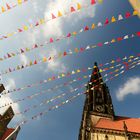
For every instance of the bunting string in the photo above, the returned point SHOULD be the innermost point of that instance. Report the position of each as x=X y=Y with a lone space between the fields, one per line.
x=67 y=36
x=131 y=66
x=72 y=9
x=9 y=6
x=76 y=71
x=61 y=85
x=70 y=99
x=65 y=53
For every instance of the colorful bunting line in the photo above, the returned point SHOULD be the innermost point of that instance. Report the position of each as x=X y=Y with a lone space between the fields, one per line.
x=9 y=6
x=67 y=36
x=65 y=53
x=69 y=99
x=72 y=9
x=132 y=66
x=62 y=75
x=59 y=86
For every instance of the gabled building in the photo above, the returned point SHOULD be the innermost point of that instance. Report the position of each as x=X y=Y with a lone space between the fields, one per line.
x=5 y=132
x=99 y=121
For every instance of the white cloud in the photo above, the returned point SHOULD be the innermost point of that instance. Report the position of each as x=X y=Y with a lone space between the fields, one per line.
x=24 y=60
x=132 y=86
x=55 y=27
x=54 y=65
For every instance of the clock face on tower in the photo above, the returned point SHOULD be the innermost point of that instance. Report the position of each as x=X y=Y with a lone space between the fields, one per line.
x=100 y=109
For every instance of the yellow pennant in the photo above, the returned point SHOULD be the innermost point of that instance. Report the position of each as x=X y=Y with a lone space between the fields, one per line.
x=93 y=26
x=19 y=1
x=100 y=1
x=42 y=21
x=3 y=9
x=78 y=6
x=135 y=12
x=25 y=28
x=113 y=40
x=113 y=19
x=27 y=49
x=44 y=59
x=78 y=71
x=59 y=14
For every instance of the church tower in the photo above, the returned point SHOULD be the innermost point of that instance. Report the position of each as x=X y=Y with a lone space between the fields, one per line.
x=98 y=120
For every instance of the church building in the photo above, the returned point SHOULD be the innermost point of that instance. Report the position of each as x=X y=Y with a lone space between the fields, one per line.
x=99 y=121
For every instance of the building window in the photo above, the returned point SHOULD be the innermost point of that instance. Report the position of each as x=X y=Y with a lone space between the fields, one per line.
x=106 y=137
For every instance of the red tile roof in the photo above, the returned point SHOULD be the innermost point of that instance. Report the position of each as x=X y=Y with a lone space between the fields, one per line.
x=133 y=124
x=7 y=133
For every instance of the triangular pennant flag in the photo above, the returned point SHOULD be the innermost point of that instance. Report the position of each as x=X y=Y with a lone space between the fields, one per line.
x=82 y=49
x=25 y=28
x=106 y=43
x=53 y=16
x=74 y=33
x=73 y=72
x=93 y=26
x=65 y=53
x=100 y=1
x=50 y=58
x=3 y=9
x=76 y=50
x=81 y=30
x=119 y=39
x=88 y=47
x=42 y=21
x=138 y=33
x=99 y=24
x=113 y=19
x=35 y=62
x=113 y=40
x=19 y=30
x=22 y=51
x=19 y=1
x=78 y=6
x=8 y=55
x=18 y=67
x=93 y=2
x=22 y=66
x=70 y=51
x=10 y=70
x=135 y=12
x=107 y=21
x=44 y=59
x=37 y=23
x=120 y=17
x=126 y=37
x=127 y=15
x=132 y=35
x=100 y=44
x=35 y=46
x=31 y=63
x=27 y=49
x=69 y=35
x=8 y=7
x=72 y=9
x=86 y=28
x=51 y=40
x=59 y=14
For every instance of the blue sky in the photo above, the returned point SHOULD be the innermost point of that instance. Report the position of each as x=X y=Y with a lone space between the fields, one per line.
x=64 y=122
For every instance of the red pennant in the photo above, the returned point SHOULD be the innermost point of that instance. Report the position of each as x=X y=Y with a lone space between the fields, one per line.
x=82 y=49
x=35 y=62
x=127 y=15
x=118 y=60
x=19 y=30
x=107 y=21
x=86 y=28
x=65 y=53
x=53 y=16
x=8 y=7
x=100 y=44
x=72 y=9
x=50 y=58
x=37 y=24
x=8 y=55
x=53 y=78
x=35 y=46
x=100 y=65
x=93 y=2
x=68 y=74
x=51 y=40
x=69 y=35
x=138 y=33
x=119 y=38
